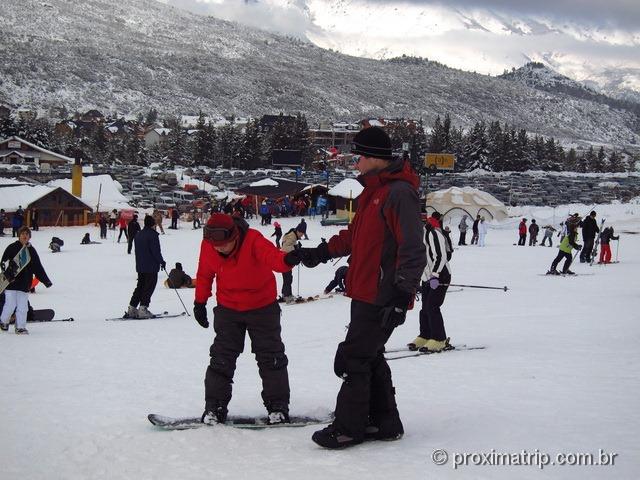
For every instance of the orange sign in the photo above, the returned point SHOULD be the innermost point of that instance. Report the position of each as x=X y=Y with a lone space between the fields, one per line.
x=440 y=161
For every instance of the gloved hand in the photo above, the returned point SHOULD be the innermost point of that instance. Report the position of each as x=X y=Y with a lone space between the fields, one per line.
x=434 y=282
x=48 y=284
x=200 y=314
x=293 y=258
x=395 y=314
x=311 y=257
x=163 y=265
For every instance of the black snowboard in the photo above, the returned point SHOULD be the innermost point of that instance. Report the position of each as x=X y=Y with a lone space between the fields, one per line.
x=187 y=423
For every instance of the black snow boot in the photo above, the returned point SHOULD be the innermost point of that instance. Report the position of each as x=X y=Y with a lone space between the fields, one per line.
x=331 y=438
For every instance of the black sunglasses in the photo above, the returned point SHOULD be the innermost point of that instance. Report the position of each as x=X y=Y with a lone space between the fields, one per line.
x=217 y=234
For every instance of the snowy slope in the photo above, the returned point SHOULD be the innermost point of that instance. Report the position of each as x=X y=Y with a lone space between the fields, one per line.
x=559 y=373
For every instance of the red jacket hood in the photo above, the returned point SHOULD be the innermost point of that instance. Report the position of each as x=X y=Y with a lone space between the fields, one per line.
x=398 y=170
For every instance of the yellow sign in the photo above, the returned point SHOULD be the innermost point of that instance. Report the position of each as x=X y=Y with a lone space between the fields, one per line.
x=440 y=161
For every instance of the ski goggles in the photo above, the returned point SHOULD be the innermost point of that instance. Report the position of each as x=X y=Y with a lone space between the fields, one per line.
x=219 y=235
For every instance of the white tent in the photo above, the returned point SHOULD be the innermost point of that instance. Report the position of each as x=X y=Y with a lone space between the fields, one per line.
x=347 y=188
x=455 y=202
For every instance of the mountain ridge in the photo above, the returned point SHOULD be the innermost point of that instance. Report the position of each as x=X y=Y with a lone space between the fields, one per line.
x=139 y=54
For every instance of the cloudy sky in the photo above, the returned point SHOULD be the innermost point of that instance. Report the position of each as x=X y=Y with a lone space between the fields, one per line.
x=590 y=40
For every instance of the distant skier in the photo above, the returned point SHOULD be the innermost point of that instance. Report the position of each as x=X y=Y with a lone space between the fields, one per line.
x=522 y=232
x=338 y=281
x=463 y=227
x=533 y=233
x=175 y=215
x=289 y=242
x=566 y=245
x=103 y=226
x=302 y=227
x=474 y=237
x=605 y=249
x=56 y=244
x=242 y=262
x=277 y=232
x=149 y=261
x=158 y=217
x=482 y=232
x=132 y=230
x=16 y=294
x=548 y=235
x=589 y=231
x=122 y=223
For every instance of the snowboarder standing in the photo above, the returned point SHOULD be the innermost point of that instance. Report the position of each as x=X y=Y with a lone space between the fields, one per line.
x=435 y=282
x=533 y=233
x=589 y=231
x=566 y=245
x=242 y=261
x=463 y=230
x=149 y=261
x=16 y=294
x=387 y=260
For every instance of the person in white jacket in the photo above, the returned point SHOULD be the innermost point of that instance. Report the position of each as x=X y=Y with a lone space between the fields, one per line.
x=435 y=282
x=482 y=231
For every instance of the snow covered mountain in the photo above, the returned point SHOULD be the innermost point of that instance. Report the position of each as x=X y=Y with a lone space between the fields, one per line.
x=136 y=54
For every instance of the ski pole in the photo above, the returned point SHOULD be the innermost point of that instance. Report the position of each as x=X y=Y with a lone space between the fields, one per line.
x=179 y=297
x=505 y=288
x=617 y=248
x=298 y=280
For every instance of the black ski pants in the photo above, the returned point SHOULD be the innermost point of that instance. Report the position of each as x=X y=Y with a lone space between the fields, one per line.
x=567 y=263
x=263 y=326
x=144 y=289
x=126 y=235
x=474 y=238
x=587 y=249
x=522 y=240
x=287 y=281
x=367 y=392
x=431 y=321
x=463 y=238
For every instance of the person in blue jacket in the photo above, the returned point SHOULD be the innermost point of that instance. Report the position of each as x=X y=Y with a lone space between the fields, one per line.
x=149 y=261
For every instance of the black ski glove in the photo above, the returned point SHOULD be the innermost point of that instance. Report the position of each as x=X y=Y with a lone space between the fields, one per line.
x=200 y=314
x=48 y=284
x=163 y=265
x=312 y=257
x=293 y=258
x=394 y=315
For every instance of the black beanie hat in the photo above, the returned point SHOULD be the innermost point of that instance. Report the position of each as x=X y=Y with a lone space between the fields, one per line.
x=372 y=142
x=149 y=221
x=178 y=266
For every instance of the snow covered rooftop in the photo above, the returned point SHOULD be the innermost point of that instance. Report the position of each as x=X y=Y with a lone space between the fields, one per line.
x=110 y=195
x=347 y=188
x=266 y=182
x=23 y=195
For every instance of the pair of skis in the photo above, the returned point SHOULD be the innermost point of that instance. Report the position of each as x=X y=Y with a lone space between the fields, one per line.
x=125 y=317
x=406 y=352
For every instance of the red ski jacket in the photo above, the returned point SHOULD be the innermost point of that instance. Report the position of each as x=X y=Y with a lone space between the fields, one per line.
x=522 y=228
x=384 y=239
x=244 y=280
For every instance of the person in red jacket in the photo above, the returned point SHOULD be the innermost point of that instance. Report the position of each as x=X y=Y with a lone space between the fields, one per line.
x=242 y=262
x=522 y=232
x=388 y=257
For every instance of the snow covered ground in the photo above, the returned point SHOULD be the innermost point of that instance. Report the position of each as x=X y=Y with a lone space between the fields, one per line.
x=559 y=374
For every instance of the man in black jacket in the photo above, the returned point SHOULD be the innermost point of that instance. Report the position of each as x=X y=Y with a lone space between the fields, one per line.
x=148 y=263
x=589 y=231
x=132 y=229
x=16 y=294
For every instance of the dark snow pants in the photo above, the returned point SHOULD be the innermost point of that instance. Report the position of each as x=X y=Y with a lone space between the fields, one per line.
x=431 y=321
x=287 y=281
x=587 y=249
x=263 y=326
x=523 y=239
x=144 y=289
x=567 y=263
x=367 y=393
x=463 y=238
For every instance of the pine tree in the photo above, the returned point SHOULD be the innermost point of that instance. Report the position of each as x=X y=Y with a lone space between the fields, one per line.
x=590 y=159
x=228 y=146
x=300 y=139
x=476 y=153
x=615 y=162
x=251 y=148
x=494 y=146
x=571 y=161
x=599 y=161
x=436 y=139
